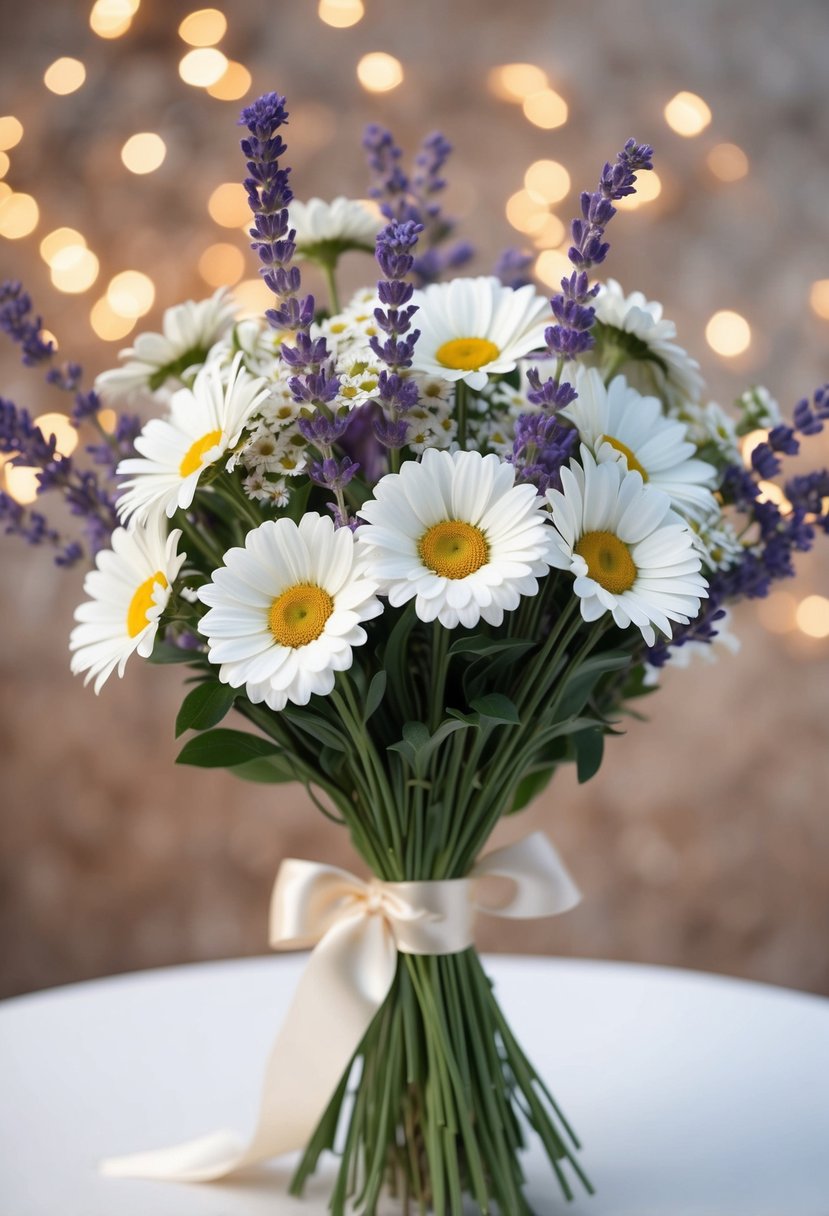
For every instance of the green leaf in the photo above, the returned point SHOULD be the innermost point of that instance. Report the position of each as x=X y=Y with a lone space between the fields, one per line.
x=395 y=656
x=530 y=787
x=317 y=727
x=204 y=706
x=225 y=749
x=299 y=500
x=580 y=685
x=417 y=746
x=270 y=770
x=376 y=692
x=480 y=645
x=497 y=708
x=331 y=761
x=589 y=749
x=495 y=671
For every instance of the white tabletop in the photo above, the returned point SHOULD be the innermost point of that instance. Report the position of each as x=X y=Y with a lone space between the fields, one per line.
x=693 y=1095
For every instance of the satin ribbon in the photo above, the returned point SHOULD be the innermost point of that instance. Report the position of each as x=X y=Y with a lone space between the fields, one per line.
x=357 y=929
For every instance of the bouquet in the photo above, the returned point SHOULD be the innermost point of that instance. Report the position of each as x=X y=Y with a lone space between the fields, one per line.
x=427 y=546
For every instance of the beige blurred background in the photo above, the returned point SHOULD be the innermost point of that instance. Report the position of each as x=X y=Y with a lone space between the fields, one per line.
x=704 y=840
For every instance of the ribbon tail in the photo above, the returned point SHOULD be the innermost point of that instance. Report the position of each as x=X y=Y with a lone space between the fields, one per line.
x=348 y=976
x=542 y=883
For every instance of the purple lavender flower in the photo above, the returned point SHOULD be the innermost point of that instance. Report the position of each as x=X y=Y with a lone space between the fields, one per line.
x=25 y=443
x=809 y=419
x=781 y=532
x=323 y=430
x=513 y=268
x=390 y=186
x=413 y=200
x=807 y=493
x=18 y=320
x=268 y=197
x=543 y=445
x=397 y=395
x=361 y=444
x=68 y=378
x=315 y=383
x=617 y=181
x=333 y=473
x=572 y=308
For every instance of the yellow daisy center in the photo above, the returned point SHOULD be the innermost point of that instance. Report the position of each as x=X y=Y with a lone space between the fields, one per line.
x=298 y=615
x=453 y=549
x=193 y=456
x=608 y=561
x=632 y=462
x=467 y=354
x=142 y=602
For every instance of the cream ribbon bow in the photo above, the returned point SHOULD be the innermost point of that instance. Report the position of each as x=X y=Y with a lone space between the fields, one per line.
x=357 y=929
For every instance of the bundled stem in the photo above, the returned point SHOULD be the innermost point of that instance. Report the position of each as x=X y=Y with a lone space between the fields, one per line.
x=439 y=1097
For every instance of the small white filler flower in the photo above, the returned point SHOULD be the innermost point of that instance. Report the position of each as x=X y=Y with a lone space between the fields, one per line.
x=204 y=423
x=630 y=554
x=162 y=360
x=128 y=591
x=471 y=329
x=285 y=610
x=454 y=533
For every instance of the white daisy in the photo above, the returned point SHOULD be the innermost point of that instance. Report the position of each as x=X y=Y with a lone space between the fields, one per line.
x=331 y=228
x=454 y=533
x=205 y=422
x=642 y=339
x=616 y=423
x=285 y=610
x=168 y=358
x=473 y=328
x=622 y=541
x=128 y=591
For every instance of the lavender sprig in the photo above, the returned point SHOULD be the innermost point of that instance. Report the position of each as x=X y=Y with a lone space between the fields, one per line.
x=269 y=194
x=543 y=445
x=513 y=268
x=572 y=308
x=314 y=383
x=412 y=200
x=26 y=445
x=23 y=326
x=397 y=394
x=780 y=532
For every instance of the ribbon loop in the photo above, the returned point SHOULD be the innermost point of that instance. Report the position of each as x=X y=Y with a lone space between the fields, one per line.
x=357 y=929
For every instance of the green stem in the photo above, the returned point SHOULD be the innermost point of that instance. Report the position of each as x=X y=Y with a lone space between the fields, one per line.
x=382 y=802
x=329 y=273
x=440 y=668
x=200 y=540
x=233 y=494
